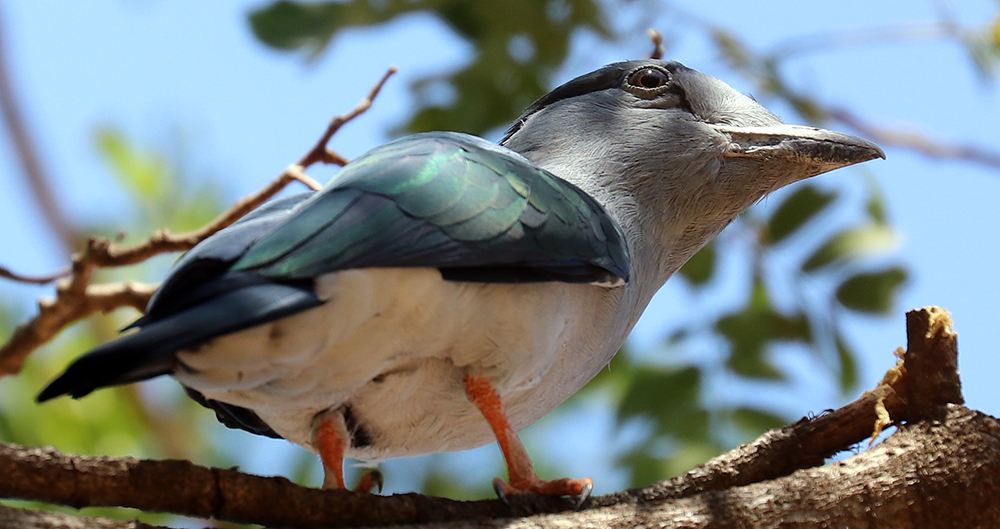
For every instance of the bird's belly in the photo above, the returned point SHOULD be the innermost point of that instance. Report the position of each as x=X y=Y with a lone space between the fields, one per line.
x=391 y=348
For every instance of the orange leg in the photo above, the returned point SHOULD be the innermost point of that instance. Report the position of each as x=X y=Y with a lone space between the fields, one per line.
x=519 y=468
x=330 y=439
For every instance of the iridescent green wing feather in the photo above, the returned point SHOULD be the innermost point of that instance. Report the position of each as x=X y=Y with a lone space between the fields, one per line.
x=476 y=211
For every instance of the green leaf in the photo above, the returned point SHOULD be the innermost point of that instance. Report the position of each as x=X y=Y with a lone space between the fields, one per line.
x=670 y=398
x=995 y=33
x=312 y=25
x=871 y=292
x=851 y=244
x=437 y=482
x=643 y=467
x=518 y=45
x=144 y=174
x=876 y=203
x=748 y=360
x=796 y=210
x=753 y=421
x=984 y=49
x=700 y=267
x=690 y=455
x=646 y=463
x=614 y=379
x=848 y=366
x=652 y=389
x=752 y=329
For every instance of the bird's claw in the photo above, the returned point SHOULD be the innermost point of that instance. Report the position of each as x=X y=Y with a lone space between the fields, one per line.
x=578 y=489
x=500 y=488
x=584 y=494
x=369 y=480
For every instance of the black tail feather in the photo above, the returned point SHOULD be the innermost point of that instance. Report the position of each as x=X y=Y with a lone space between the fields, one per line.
x=150 y=352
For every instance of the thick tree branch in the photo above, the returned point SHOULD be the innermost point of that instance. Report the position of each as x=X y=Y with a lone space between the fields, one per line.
x=76 y=298
x=920 y=393
x=11 y=518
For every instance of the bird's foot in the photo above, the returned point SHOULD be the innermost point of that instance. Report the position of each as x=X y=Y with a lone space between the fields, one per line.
x=369 y=480
x=330 y=438
x=578 y=489
x=522 y=474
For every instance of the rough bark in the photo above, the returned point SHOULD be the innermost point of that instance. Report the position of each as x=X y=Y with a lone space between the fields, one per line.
x=939 y=469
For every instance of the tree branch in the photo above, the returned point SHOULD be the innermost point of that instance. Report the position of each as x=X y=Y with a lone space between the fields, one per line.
x=657 y=40
x=76 y=298
x=916 y=142
x=7 y=273
x=11 y=518
x=913 y=468
x=27 y=154
x=319 y=152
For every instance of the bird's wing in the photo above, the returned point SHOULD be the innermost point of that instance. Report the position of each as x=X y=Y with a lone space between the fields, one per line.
x=450 y=201
x=476 y=211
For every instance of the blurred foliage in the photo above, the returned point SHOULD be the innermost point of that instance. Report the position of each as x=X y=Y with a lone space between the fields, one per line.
x=164 y=195
x=123 y=420
x=518 y=45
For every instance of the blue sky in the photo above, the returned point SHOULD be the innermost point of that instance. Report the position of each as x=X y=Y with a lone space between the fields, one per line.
x=165 y=70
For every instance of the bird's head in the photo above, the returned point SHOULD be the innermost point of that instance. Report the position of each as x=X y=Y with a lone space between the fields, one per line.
x=673 y=154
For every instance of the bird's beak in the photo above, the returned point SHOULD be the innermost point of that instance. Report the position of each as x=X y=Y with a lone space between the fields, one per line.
x=810 y=150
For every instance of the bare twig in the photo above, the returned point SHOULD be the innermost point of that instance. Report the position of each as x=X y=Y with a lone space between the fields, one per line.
x=7 y=273
x=76 y=298
x=104 y=253
x=657 y=39
x=38 y=181
x=763 y=69
x=319 y=152
x=915 y=141
x=917 y=31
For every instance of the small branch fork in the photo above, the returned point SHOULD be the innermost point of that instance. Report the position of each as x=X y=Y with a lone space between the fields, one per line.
x=922 y=391
x=76 y=298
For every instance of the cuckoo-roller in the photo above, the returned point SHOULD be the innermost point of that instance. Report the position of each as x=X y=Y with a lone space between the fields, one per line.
x=441 y=291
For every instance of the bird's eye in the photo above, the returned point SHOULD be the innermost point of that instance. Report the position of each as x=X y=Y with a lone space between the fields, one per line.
x=648 y=81
x=648 y=78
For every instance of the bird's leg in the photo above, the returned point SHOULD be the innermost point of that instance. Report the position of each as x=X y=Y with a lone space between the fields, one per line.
x=330 y=437
x=519 y=467
x=330 y=440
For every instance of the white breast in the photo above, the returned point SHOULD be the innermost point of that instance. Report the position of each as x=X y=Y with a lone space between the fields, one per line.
x=393 y=346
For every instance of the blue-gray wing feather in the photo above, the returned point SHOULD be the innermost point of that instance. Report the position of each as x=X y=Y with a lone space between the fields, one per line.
x=449 y=201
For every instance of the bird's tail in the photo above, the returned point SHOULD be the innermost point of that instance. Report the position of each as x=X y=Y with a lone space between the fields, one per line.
x=151 y=351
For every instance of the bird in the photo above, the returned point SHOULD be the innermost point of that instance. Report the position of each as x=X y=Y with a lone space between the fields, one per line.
x=442 y=292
